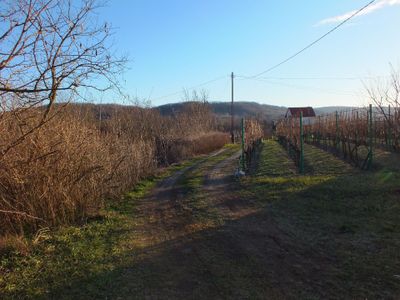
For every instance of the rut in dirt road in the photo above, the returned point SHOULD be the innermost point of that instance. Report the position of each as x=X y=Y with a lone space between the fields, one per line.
x=202 y=243
x=219 y=187
x=220 y=172
x=164 y=210
x=172 y=216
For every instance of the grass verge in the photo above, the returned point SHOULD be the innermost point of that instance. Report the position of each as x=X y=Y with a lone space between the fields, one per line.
x=52 y=260
x=342 y=225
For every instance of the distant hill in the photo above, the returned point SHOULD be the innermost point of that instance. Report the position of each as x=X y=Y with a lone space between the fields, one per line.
x=331 y=109
x=247 y=109
x=241 y=109
x=222 y=109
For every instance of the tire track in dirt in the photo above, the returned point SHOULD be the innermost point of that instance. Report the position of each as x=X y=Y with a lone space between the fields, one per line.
x=164 y=227
x=225 y=168
x=215 y=190
x=220 y=188
x=167 y=184
x=160 y=217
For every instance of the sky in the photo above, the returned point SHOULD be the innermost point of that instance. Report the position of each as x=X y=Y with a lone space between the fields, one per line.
x=179 y=44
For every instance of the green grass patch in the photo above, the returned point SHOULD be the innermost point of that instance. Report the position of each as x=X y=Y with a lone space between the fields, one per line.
x=350 y=217
x=274 y=161
x=383 y=159
x=320 y=162
x=58 y=258
x=195 y=202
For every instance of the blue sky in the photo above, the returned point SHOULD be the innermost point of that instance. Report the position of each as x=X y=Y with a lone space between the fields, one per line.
x=179 y=44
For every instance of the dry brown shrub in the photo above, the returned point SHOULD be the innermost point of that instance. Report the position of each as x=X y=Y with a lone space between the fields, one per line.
x=13 y=243
x=210 y=142
x=62 y=172
x=253 y=132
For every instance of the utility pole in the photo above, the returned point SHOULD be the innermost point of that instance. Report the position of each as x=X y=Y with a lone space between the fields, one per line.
x=232 y=94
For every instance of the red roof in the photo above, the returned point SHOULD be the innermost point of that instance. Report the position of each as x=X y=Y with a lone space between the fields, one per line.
x=295 y=112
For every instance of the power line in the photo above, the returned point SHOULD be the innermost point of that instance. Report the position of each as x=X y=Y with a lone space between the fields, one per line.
x=314 y=78
x=314 y=42
x=315 y=89
x=191 y=88
x=285 y=60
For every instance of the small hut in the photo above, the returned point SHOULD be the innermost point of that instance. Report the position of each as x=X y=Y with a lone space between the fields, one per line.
x=295 y=112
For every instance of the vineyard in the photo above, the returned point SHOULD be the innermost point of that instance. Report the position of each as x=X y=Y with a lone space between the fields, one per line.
x=354 y=135
x=251 y=136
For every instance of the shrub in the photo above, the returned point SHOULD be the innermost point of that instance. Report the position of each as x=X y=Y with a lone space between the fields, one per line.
x=62 y=171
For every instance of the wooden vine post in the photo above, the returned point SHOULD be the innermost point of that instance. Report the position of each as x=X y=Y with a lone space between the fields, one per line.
x=389 y=139
x=301 y=144
x=370 y=138
x=337 y=132
x=243 y=159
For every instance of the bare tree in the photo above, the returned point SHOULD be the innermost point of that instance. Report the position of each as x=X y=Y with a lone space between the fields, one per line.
x=51 y=46
x=197 y=111
x=385 y=95
x=195 y=96
x=51 y=49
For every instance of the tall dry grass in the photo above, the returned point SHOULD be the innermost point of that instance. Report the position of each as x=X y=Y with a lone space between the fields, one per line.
x=62 y=172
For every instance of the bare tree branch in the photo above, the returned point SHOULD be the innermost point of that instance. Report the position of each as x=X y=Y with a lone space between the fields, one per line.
x=52 y=46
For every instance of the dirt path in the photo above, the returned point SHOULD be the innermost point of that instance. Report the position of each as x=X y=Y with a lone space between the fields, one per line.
x=171 y=258
x=160 y=211
x=210 y=241
x=219 y=188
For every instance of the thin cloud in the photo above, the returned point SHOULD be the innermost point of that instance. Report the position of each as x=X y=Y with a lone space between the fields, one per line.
x=379 y=5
